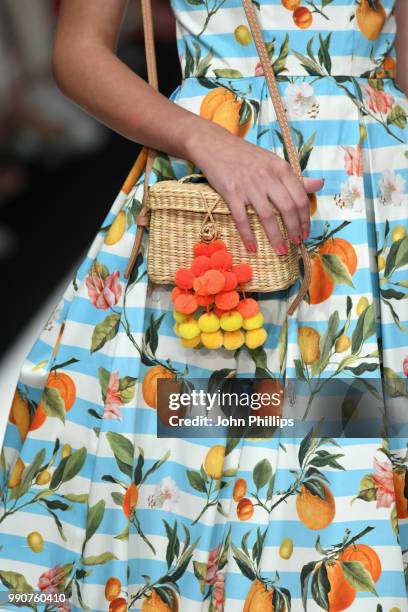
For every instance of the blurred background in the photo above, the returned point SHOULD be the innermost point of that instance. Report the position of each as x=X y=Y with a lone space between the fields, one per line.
x=59 y=169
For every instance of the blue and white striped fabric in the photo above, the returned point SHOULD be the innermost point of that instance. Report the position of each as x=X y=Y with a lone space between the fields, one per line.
x=93 y=504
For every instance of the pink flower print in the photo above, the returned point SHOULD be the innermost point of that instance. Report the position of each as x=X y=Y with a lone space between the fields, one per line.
x=104 y=290
x=212 y=564
x=405 y=366
x=353 y=159
x=384 y=482
x=259 y=71
x=218 y=592
x=378 y=101
x=51 y=579
x=113 y=399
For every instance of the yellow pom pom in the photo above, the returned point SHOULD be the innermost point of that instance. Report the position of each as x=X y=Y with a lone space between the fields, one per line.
x=231 y=321
x=212 y=340
x=209 y=322
x=192 y=342
x=179 y=317
x=188 y=329
x=254 y=322
x=233 y=339
x=255 y=337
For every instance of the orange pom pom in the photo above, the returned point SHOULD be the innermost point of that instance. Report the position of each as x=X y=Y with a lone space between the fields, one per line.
x=204 y=300
x=184 y=278
x=243 y=272
x=248 y=308
x=216 y=245
x=175 y=292
x=221 y=260
x=215 y=281
x=200 y=265
x=186 y=303
x=200 y=285
x=227 y=300
x=231 y=281
x=201 y=248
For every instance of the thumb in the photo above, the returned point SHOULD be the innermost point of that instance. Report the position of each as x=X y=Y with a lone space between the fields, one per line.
x=313 y=184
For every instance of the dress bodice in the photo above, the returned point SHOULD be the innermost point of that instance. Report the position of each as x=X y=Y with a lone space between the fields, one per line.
x=315 y=37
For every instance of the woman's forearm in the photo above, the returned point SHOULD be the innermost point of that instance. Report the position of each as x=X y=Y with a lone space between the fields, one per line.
x=401 y=14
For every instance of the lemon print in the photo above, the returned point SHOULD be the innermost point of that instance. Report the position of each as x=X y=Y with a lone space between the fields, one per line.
x=362 y=305
x=381 y=263
x=242 y=35
x=117 y=229
x=16 y=475
x=286 y=548
x=66 y=451
x=363 y=134
x=309 y=344
x=343 y=343
x=395 y=609
x=398 y=232
x=35 y=541
x=43 y=478
x=214 y=461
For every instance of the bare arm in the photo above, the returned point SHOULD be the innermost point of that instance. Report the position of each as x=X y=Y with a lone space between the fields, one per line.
x=87 y=70
x=401 y=15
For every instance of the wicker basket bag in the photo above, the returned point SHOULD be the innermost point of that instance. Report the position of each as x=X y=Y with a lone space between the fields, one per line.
x=181 y=213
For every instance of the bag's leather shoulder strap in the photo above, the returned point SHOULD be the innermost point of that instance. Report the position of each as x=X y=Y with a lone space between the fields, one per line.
x=290 y=147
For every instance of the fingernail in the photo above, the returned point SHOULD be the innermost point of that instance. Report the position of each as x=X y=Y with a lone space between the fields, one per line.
x=282 y=249
x=305 y=234
x=251 y=247
x=297 y=239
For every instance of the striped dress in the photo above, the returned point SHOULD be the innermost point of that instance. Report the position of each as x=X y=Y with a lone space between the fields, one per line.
x=96 y=508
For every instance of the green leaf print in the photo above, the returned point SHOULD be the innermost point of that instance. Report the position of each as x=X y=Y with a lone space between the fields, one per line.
x=357 y=575
x=279 y=65
x=196 y=481
x=337 y=269
x=69 y=467
x=127 y=388
x=397 y=116
x=122 y=449
x=321 y=587
x=95 y=516
x=227 y=73
x=262 y=473
x=105 y=331
x=53 y=403
x=323 y=54
x=365 y=328
x=243 y=563
x=15 y=581
x=99 y=559
x=103 y=375
x=397 y=256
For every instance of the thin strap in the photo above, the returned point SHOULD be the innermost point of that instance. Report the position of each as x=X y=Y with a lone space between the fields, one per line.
x=280 y=114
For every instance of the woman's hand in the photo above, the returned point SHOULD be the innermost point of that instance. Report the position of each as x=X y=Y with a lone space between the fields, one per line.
x=244 y=174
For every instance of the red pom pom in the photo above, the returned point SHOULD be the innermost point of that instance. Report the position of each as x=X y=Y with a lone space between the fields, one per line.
x=201 y=248
x=214 y=280
x=248 y=307
x=219 y=311
x=184 y=278
x=221 y=260
x=216 y=245
x=243 y=272
x=186 y=303
x=200 y=265
x=227 y=300
x=205 y=300
x=231 y=281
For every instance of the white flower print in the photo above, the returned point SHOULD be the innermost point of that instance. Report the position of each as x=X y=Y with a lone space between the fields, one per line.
x=352 y=193
x=391 y=188
x=301 y=100
x=165 y=496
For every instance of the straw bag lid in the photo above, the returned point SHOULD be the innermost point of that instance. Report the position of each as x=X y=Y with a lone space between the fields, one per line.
x=197 y=197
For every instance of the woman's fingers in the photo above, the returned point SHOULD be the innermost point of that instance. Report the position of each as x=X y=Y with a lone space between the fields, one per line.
x=301 y=200
x=283 y=201
x=267 y=217
x=240 y=217
x=313 y=184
